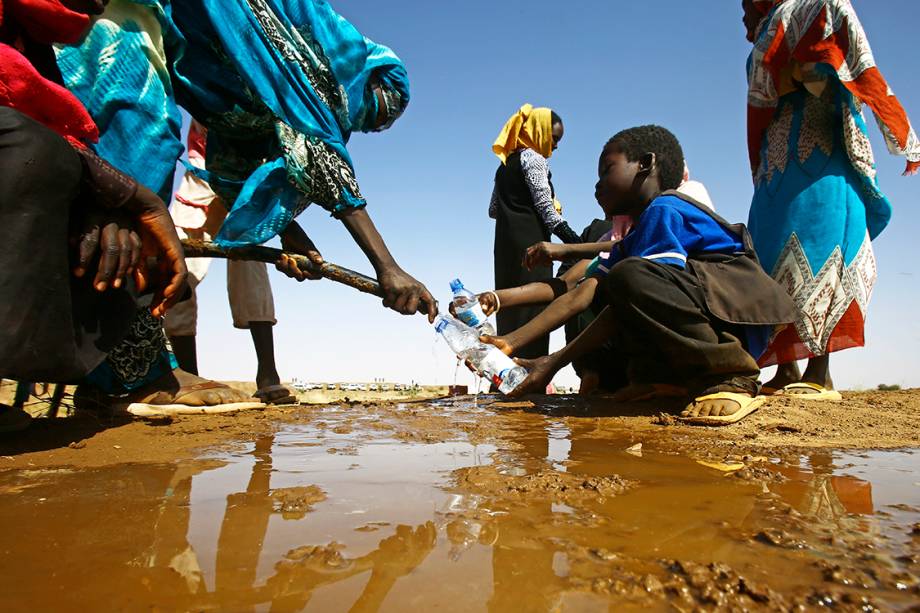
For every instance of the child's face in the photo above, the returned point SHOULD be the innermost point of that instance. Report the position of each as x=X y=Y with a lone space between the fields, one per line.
x=616 y=189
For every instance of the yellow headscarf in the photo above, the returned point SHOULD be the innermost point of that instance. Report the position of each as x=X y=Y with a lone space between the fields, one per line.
x=529 y=127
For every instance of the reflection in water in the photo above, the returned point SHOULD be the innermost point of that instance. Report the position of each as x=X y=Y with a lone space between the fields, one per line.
x=315 y=518
x=299 y=573
x=819 y=494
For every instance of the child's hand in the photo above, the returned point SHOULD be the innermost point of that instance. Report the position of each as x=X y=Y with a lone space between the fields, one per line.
x=539 y=373
x=499 y=341
x=543 y=254
x=488 y=301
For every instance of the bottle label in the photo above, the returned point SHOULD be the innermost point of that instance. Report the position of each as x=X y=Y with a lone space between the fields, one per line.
x=499 y=378
x=472 y=316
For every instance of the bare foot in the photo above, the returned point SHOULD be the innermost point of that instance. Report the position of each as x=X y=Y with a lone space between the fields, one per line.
x=180 y=387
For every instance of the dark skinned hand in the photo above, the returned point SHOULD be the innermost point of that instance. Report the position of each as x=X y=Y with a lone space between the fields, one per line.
x=404 y=294
x=111 y=235
x=400 y=554
x=162 y=264
x=499 y=341
x=295 y=240
x=542 y=254
x=539 y=373
x=486 y=301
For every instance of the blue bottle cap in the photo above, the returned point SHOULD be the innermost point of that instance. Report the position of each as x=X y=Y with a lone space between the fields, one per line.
x=455 y=285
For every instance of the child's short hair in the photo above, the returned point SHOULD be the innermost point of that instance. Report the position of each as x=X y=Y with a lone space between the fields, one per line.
x=636 y=142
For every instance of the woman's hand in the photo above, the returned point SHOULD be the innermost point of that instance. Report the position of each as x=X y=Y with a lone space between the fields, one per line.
x=159 y=243
x=405 y=295
x=295 y=240
x=539 y=374
x=111 y=234
x=543 y=254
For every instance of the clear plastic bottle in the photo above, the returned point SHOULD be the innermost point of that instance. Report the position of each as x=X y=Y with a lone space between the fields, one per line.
x=468 y=309
x=488 y=360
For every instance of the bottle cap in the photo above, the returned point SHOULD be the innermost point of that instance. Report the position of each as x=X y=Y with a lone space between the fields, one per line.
x=455 y=285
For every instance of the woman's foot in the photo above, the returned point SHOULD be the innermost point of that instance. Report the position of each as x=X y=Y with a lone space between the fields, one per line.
x=180 y=387
x=785 y=374
x=818 y=374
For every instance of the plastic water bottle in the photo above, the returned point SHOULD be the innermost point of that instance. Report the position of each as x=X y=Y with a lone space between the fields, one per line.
x=488 y=360
x=468 y=309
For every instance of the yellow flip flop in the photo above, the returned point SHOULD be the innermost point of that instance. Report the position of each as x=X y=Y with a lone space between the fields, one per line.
x=747 y=406
x=819 y=391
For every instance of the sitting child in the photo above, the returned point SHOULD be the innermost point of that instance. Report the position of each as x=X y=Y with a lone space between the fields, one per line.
x=686 y=301
x=577 y=309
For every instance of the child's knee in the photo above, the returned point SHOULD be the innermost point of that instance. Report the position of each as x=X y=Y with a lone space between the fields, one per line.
x=627 y=280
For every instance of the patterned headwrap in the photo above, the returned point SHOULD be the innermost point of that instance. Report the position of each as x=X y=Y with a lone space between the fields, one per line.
x=531 y=128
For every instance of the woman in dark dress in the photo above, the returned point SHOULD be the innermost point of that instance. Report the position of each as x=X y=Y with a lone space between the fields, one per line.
x=525 y=209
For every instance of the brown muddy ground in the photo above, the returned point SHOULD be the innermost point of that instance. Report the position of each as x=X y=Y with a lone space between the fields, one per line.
x=467 y=504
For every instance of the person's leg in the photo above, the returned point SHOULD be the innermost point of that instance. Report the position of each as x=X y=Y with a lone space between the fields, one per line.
x=665 y=329
x=253 y=307
x=141 y=369
x=785 y=374
x=264 y=343
x=185 y=348
x=181 y=322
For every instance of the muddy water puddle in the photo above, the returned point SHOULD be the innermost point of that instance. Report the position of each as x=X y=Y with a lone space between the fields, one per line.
x=353 y=509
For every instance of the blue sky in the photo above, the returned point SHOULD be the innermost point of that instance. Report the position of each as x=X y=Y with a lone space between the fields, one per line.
x=603 y=66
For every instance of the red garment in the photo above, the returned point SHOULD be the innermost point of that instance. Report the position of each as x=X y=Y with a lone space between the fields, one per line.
x=822 y=32
x=27 y=26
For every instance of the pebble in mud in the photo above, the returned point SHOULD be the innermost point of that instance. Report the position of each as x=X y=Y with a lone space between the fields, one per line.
x=296 y=502
x=562 y=487
x=717 y=584
x=329 y=556
x=778 y=538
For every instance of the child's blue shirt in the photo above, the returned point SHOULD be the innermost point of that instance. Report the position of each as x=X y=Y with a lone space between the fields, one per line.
x=668 y=232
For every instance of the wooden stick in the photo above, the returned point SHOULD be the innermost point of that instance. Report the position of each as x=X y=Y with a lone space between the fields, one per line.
x=202 y=249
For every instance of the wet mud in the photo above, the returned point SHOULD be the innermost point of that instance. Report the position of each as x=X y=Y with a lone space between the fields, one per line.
x=458 y=506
